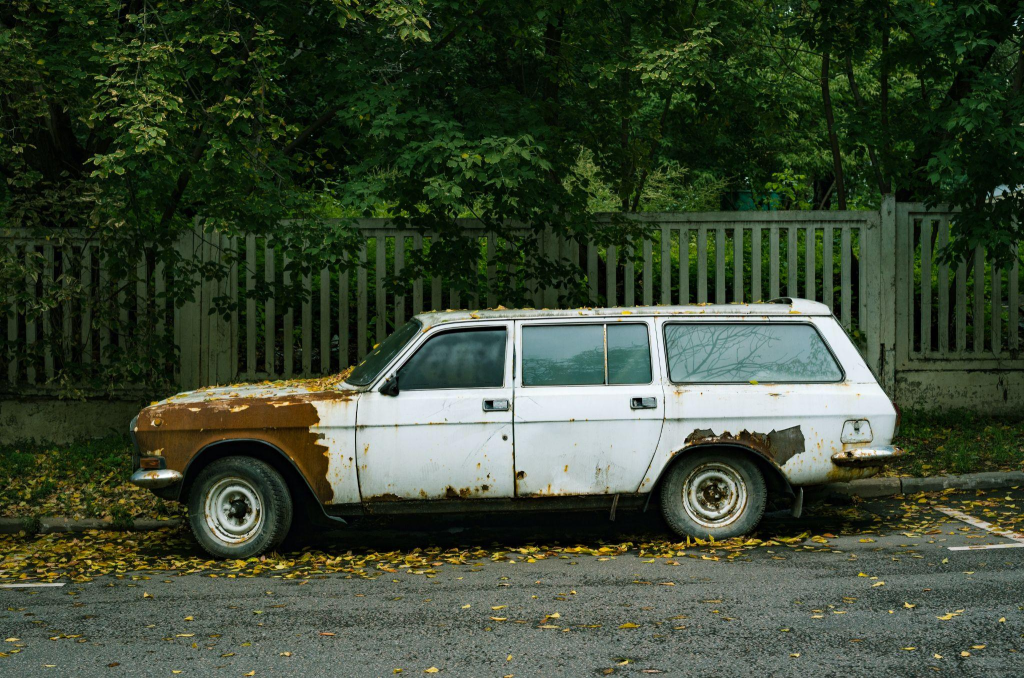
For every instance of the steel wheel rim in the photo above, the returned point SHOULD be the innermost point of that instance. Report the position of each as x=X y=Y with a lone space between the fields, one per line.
x=234 y=510
x=714 y=495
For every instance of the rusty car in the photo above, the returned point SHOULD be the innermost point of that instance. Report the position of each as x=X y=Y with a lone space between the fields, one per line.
x=711 y=411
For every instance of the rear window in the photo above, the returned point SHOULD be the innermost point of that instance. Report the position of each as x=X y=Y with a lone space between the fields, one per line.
x=586 y=354
x=746 y=352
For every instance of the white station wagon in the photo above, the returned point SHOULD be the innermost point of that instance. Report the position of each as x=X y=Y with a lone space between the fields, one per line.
x=711 y=411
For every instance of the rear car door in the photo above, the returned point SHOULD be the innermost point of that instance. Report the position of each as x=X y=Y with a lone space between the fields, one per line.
x=589 y=407
x=447 y=434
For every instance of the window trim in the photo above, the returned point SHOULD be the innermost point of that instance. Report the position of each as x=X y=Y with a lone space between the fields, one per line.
x=709 y=321
x=404 y=360
x=604 y=323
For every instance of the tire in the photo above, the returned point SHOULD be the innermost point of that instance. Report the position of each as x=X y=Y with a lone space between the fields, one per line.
x=719 y=494
x=227 y=488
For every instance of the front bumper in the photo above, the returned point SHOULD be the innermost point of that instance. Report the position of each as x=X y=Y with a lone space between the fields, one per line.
x=866 y=456
x=155 y=478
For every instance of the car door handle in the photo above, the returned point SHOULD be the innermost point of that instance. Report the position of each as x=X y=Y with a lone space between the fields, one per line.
x=500 y=405
x=643 y=403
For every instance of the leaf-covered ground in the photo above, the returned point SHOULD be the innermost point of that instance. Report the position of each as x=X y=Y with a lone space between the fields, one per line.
x=951 y=443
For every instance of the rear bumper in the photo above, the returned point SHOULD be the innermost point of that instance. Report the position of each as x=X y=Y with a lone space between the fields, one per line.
x=866 y=456
x=155 y=478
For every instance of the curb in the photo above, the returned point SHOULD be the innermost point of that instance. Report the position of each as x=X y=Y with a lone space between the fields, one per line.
x=887 y=487
x=52 y=525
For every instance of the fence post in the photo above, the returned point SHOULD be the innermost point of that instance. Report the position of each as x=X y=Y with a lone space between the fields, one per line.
x=885 y=370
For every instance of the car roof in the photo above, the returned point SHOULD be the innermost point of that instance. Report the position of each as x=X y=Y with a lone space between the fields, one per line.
x=782 y=306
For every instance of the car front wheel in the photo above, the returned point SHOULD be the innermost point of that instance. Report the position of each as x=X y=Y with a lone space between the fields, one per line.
x=239 y=507
x=718 y=494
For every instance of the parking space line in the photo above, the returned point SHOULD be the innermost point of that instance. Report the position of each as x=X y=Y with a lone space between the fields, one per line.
x=29 y=585
x=1015 y=537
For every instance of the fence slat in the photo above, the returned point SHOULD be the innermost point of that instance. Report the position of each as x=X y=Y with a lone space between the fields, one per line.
x=979 y=300
x=926 y=285
x=30 y=323
x=12 y=325
x=846 y=289
x=289 y=323
x=942 y=321
x=648 y=280
x=792 y=259
x=629 y=278
x=610 y=274
x=492 y=245
x=702 y=264
x=684 y=266
x=961 y=307
x=250 y=305
x=997 y=309
x=592 y=272
x=47 y=320
x=231 y=245
x=66 y=257
x=666 y=265
x=343 y=318
x=755 y=263
x=270 y=311
x=87 y=301
x=361 y=302
x=325 y=321
x=417 y=284
x=1013 y=321
x=773 y=262
x=810 y=272
x=720 y=265
x=399 y=265
x=380 y=300
x=828 y=288
x=737 y=264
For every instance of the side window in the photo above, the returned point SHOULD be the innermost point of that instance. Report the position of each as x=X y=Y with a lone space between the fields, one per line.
x=743 y=352
x=459 y=359
x=584 y=355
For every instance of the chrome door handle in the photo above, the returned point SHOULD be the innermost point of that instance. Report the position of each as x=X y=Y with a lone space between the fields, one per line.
x=643 y=403
x=500 y=405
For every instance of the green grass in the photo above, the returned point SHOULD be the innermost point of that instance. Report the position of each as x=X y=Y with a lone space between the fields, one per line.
x=85 y=479
x=949 y=443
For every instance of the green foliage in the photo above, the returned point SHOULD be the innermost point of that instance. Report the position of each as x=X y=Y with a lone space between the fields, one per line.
x=959 y=442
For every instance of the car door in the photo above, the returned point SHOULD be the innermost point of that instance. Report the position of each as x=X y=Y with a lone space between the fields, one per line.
x=447 y=434
x=589 y=407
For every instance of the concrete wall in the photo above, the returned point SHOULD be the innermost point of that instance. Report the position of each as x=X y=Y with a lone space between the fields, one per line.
x=995 y=392
x=60 y=421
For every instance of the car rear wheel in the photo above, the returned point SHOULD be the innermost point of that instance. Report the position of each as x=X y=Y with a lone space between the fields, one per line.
x=239 y=507
x=718 y=494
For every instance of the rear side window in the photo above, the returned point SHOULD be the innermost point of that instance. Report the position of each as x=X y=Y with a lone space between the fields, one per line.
x=744 y=352
x=460 y=359
x=576 y=355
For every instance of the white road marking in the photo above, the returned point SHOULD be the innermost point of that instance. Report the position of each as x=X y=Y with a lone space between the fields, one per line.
x=27 y=586
x=1015 y=537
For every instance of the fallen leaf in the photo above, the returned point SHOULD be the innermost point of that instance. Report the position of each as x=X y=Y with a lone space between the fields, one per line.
x=629 y=625
x=432 y=669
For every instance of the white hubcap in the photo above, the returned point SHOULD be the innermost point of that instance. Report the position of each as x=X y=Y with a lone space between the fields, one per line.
x=234 y=511
x=714 y=495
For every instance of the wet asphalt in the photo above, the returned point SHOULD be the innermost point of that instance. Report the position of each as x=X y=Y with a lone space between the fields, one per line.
x=877 y=593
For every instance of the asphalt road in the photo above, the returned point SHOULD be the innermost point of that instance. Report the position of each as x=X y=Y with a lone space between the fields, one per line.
x=871 y=589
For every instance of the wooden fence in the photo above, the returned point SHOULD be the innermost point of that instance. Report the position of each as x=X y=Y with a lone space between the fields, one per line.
x=877 y=271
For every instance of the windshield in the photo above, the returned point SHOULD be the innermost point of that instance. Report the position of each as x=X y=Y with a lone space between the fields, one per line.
x=377 y=359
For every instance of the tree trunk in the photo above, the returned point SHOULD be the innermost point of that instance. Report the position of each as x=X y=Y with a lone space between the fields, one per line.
x=837 y=159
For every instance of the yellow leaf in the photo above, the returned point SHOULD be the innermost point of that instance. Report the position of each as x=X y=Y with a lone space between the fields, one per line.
x=878 y=583
x=189 y=619
x=909 y=606
x=1002 y=620
x=498 y=607
x=285 y=654
x=910 y=649
x=432 y=669
x=795 y=655
x=937 y=656
x=629 y=625
x=977 y=647
x=466 y=606
x=965 y=653
x=508 y=658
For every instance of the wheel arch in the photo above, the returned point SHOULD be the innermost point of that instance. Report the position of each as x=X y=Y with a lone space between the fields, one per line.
x=303 y=497
x=774 y=478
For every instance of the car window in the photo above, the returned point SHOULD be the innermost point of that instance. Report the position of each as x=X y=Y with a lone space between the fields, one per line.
x=574 y=355
x=563 y=355
x=629 y=354
x=459 y=359
x=744 y=352
x=383 y=353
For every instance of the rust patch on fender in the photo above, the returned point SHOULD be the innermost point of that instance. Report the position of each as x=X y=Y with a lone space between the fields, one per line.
x=778 y=446
x=284 y=421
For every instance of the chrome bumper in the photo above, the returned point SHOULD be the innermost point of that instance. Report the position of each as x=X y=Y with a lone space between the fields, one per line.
x=154 y=478
x=866 y=456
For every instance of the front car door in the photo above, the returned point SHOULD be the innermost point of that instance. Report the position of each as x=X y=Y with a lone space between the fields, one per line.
x=589 y=406
x=447 y=434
